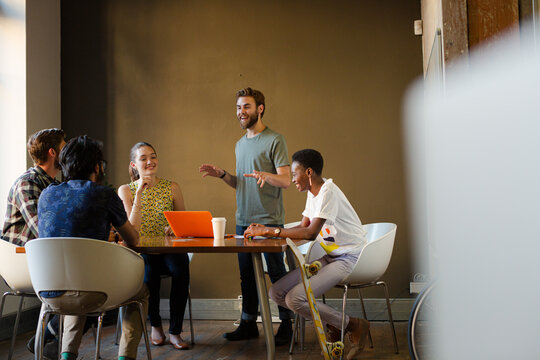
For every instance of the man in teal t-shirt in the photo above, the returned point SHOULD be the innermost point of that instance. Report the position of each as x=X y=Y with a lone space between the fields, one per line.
x=262 y=171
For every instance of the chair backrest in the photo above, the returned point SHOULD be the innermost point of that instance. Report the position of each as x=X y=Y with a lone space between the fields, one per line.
x=314 y=252
x=375 y=257
x=81 y=264
x=14 y=268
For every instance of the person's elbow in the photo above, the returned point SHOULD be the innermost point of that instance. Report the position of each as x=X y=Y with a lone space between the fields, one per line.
x=129 y=234
x=312 y=235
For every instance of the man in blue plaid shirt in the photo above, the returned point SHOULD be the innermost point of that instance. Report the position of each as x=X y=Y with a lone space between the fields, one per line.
x=21 y=216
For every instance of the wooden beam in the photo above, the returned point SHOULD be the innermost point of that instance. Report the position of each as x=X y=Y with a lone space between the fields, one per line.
x=489 y=19
x=454 y=30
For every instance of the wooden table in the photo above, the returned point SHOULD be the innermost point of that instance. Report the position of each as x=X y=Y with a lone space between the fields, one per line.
x=169 y=244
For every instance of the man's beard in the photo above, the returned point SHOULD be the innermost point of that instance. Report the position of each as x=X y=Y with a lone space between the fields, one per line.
x=252 y=121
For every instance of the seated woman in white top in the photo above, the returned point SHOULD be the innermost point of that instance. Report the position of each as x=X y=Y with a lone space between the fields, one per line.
x=330 y=219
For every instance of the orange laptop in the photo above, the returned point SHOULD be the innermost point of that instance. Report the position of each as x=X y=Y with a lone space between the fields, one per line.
x=190 y=223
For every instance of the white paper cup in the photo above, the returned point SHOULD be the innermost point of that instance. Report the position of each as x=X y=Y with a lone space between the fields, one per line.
x=218 y=226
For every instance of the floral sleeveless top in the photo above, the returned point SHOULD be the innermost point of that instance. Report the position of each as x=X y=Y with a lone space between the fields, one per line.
x=154 y=201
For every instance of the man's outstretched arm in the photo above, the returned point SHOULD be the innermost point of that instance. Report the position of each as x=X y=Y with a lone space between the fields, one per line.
x=214 y=171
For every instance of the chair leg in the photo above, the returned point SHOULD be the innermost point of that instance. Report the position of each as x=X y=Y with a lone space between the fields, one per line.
x=302 y=332
x=1 y=311
x=60 y=333
x=191 y=319
x=43 y=324
x=118 y=331
x=15 y=327
x=145 y=333
x=98 y=336
x=343 y=307
x=390 y=314
x=295 y=333
x=365 y=316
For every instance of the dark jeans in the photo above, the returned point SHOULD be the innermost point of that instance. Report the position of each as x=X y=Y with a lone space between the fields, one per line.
x=176 y=266
x=276 y=270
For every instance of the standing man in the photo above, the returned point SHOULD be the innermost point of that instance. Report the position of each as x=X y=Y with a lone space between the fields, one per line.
x=21 y=220
x=262 y=171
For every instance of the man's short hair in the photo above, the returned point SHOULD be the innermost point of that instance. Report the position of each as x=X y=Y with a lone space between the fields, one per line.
x=255 y=94
x=39 y=144
x=309 y=158
x=79 y=157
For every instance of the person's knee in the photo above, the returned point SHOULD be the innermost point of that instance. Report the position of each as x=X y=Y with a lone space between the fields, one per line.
x=294 y=303
x=275 y=294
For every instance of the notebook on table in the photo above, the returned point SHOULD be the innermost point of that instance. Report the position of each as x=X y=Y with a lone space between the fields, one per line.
x=190 y=223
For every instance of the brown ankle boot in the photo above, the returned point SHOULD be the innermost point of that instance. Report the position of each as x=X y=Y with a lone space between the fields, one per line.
x=333 y=333
x=358 y=330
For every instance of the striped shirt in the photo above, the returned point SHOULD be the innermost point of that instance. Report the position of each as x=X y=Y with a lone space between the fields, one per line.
x=21 y=222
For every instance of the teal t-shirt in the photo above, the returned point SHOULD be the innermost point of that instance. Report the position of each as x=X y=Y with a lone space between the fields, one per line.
x=264 y=152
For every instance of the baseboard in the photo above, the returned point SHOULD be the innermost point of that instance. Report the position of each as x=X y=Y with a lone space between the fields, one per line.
x=229 y=309
x=28 y=322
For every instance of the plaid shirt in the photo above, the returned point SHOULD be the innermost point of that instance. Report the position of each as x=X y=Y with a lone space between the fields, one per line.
x=21 y=222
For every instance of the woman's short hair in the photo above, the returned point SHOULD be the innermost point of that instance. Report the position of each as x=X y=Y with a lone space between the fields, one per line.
x=309 y=158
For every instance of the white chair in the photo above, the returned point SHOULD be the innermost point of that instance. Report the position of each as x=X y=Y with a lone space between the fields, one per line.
x=371 y=265
x=86 y=265
x=14 y=270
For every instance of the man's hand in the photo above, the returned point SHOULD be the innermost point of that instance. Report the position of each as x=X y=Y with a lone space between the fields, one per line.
x=261 y=176
x=211 y=170
x=255 y=230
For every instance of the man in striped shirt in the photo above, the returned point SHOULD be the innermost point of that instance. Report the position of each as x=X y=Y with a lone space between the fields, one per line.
x=20 y=224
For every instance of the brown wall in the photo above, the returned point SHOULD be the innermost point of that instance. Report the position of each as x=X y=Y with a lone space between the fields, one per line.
x=334 y=74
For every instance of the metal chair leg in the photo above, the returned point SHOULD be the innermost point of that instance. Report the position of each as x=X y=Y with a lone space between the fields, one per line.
x=365 y=316
x=43 y=321
x=390 y=314
x=295 y=333
x=343 y=307
x=302 y=332
x=60 y=333
x=118 y=331
x=98 y=336
x=16 y=327
x=1 y=311
x=145 y=333
x=191 y=319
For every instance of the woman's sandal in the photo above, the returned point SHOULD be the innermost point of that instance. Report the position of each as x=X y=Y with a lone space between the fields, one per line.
x=159 y=342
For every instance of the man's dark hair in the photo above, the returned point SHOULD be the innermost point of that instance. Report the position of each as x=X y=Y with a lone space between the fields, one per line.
x=255 y=94
x=39 y=144
x=79 y=157
x=309 y=158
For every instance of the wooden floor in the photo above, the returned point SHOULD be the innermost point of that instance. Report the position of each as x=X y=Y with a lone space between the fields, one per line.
x=211 y=345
